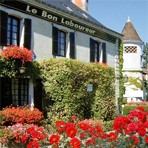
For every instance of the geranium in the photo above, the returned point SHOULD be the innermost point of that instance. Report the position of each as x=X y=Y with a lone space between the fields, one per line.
x=16 y=52
x=21 y=114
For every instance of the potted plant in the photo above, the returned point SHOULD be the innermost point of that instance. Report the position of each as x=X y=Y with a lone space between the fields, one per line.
x=15 y=59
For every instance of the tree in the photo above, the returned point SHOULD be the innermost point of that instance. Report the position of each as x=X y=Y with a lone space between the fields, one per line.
x=145 y=55
x=145 y=63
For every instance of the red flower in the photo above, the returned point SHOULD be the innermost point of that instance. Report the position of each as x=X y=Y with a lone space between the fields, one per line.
x=75 y=143
x=120 y=123
x=84 y=126
x=146 y=139
x=73 y=117
x=112 y=136
x=54 y=139
x=82 y=135
x=141 y=131
x=140 y=108
x=132 y=127
x=146 y=124
x=137 y=115
x=24 y=138
x=71 y=132
x=135 y=139
x=59 y=123
x=15 y=52
x=90 y=141
x=33 y=144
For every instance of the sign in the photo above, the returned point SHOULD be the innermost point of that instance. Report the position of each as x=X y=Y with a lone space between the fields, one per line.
x=90 y=87
x=52 y=17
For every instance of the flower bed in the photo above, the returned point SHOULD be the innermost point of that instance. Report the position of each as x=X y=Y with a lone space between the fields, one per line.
x=129 y=131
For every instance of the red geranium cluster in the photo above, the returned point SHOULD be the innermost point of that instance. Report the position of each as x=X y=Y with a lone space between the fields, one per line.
x=22 y=114
x=128 y=131
x=16 y=52
x=31 y=135
x=78 y=134
x=134 y=126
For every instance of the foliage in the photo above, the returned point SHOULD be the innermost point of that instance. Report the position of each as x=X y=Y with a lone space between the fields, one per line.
x=145 y=55
x=136 y=82
x=121 y=81
x=107 y=125
x=128 y=108
x=65 y=82
x=22 y=114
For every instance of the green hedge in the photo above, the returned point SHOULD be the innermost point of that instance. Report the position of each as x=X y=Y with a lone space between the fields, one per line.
x=65 y=83
x=128 y=108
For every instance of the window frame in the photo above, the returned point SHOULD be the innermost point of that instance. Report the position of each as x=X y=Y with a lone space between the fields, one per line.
x=61 y=43
x=11 y=38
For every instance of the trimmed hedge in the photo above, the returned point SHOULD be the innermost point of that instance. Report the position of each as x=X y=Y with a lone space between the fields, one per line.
x=128 y=108
x=65 y=83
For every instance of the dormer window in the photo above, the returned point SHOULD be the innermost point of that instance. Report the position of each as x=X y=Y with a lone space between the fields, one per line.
x=69 y=9
x=130 y=49
x=85 y=15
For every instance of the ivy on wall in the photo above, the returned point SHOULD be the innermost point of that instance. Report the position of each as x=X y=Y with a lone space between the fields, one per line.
x=121 y=80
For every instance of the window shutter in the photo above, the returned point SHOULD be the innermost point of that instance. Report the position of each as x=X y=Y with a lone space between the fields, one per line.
x=92 y=50
x=72 y=45
x=3 y=27
x=27 y=37
x=98 y=53
x=104 y=52
x=55 y=41
x=6 y=99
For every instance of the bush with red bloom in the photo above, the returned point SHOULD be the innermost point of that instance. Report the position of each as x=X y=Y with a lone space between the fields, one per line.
x=21 y=114
x=19 y=53
x=137 y=116
x=120 y=123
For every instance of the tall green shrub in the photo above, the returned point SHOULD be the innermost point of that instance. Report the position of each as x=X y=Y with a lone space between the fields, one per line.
x=65 y=82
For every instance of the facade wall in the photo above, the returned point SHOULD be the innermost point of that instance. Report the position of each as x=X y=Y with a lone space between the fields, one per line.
x=42 y=40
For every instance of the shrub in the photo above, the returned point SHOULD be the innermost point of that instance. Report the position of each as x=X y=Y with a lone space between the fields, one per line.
x=128 y=108
x=65 y=82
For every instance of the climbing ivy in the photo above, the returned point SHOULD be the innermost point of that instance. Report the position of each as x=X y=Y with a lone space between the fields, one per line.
x=121 y=81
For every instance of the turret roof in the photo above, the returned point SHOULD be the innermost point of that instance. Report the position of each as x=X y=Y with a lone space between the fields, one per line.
x=129 y=32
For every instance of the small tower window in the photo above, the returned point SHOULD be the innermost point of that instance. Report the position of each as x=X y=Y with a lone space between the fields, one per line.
x=130 y=49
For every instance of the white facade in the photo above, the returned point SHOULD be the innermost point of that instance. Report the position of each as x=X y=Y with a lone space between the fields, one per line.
x=42 y=25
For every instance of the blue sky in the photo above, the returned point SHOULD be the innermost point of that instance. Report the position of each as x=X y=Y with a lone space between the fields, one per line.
x=114 y=14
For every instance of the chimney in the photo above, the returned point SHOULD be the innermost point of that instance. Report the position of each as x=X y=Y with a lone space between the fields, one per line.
x=83 y=4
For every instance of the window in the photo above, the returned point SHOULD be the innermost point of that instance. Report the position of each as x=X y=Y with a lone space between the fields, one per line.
x=130 y=49
x=94 y=51
x=14 y=91
x=59 y=42
x=96 y=54
x=104 y=54
x=12 y=31
x=19 y=91
x=10 y=27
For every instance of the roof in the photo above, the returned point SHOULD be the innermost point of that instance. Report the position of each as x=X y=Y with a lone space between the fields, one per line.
x=129 y=32
x=68 y=7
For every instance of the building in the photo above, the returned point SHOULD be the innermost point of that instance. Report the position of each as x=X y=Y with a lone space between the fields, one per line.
x=132 y=65
x=52 y=29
